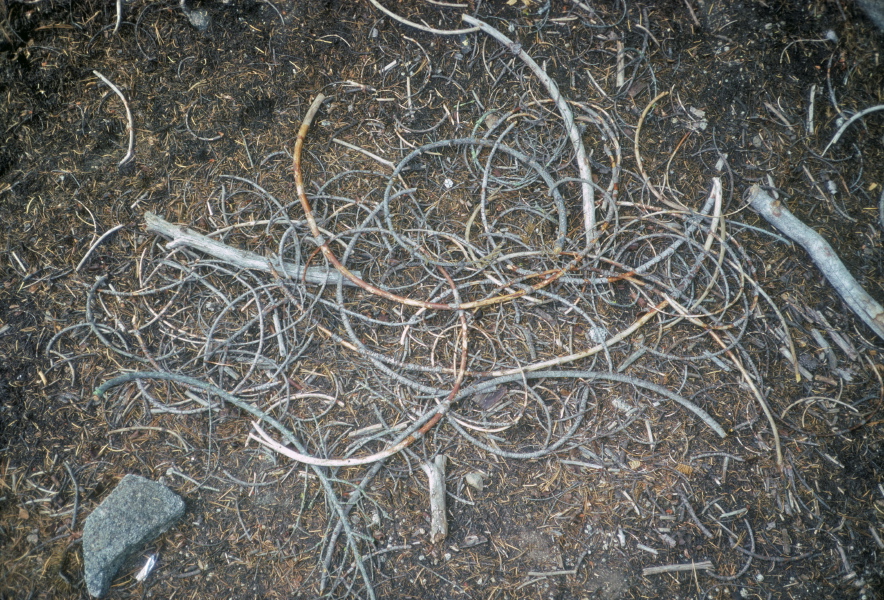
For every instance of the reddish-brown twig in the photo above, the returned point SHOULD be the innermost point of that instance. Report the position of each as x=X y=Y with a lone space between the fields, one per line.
x=343 y=270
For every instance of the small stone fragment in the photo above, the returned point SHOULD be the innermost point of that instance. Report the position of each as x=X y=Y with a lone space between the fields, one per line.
x=475 y=481
x=198 y=17
x=137 y=511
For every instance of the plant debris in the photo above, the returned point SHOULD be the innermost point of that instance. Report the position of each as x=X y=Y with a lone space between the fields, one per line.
x=513 y=236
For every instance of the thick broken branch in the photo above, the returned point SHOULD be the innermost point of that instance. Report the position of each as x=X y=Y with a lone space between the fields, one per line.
x=859 y=301
x=438 y=519
x=243 y=259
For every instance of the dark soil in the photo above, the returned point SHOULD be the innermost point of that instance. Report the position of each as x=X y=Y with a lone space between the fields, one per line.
x=642 y=483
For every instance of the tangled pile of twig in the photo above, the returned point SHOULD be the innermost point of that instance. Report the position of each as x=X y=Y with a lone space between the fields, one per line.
x=524 y=312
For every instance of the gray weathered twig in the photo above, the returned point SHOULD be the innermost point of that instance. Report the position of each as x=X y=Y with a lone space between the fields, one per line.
x=130 y=122
x=704 y=566
x=589 y=221
x=182 y=236
x=438 y=520
x=859 y=301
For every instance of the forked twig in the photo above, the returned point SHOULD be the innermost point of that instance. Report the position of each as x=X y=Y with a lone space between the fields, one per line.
x=290 y=437
x=739 y=364
x=405 y=21
x=638 y=156
x=243 y=259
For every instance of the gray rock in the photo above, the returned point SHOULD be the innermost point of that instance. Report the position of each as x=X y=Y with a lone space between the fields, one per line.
x=475 y=481
x=198 y=17
x=875 y=10
x=134 y=513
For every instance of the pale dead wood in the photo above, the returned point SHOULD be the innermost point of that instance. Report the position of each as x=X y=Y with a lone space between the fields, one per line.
x=859 y=301
x=243 y=259
x=438 y=520
x=589 y=220
x=850 y=122
x=130 y=123
x=704 y=566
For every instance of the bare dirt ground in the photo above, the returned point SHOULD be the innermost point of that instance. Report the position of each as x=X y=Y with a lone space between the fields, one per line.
x=584 y=384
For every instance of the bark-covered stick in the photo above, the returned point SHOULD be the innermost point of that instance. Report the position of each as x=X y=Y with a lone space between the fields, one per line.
x=438 y=520
x=243 y=259
x=859 y=301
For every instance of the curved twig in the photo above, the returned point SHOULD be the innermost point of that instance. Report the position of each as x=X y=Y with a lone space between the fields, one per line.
x=263 y=416
x=548 y=277
x=405 y=21
x=130 y=122
x=848 y=123
x=589 y=222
